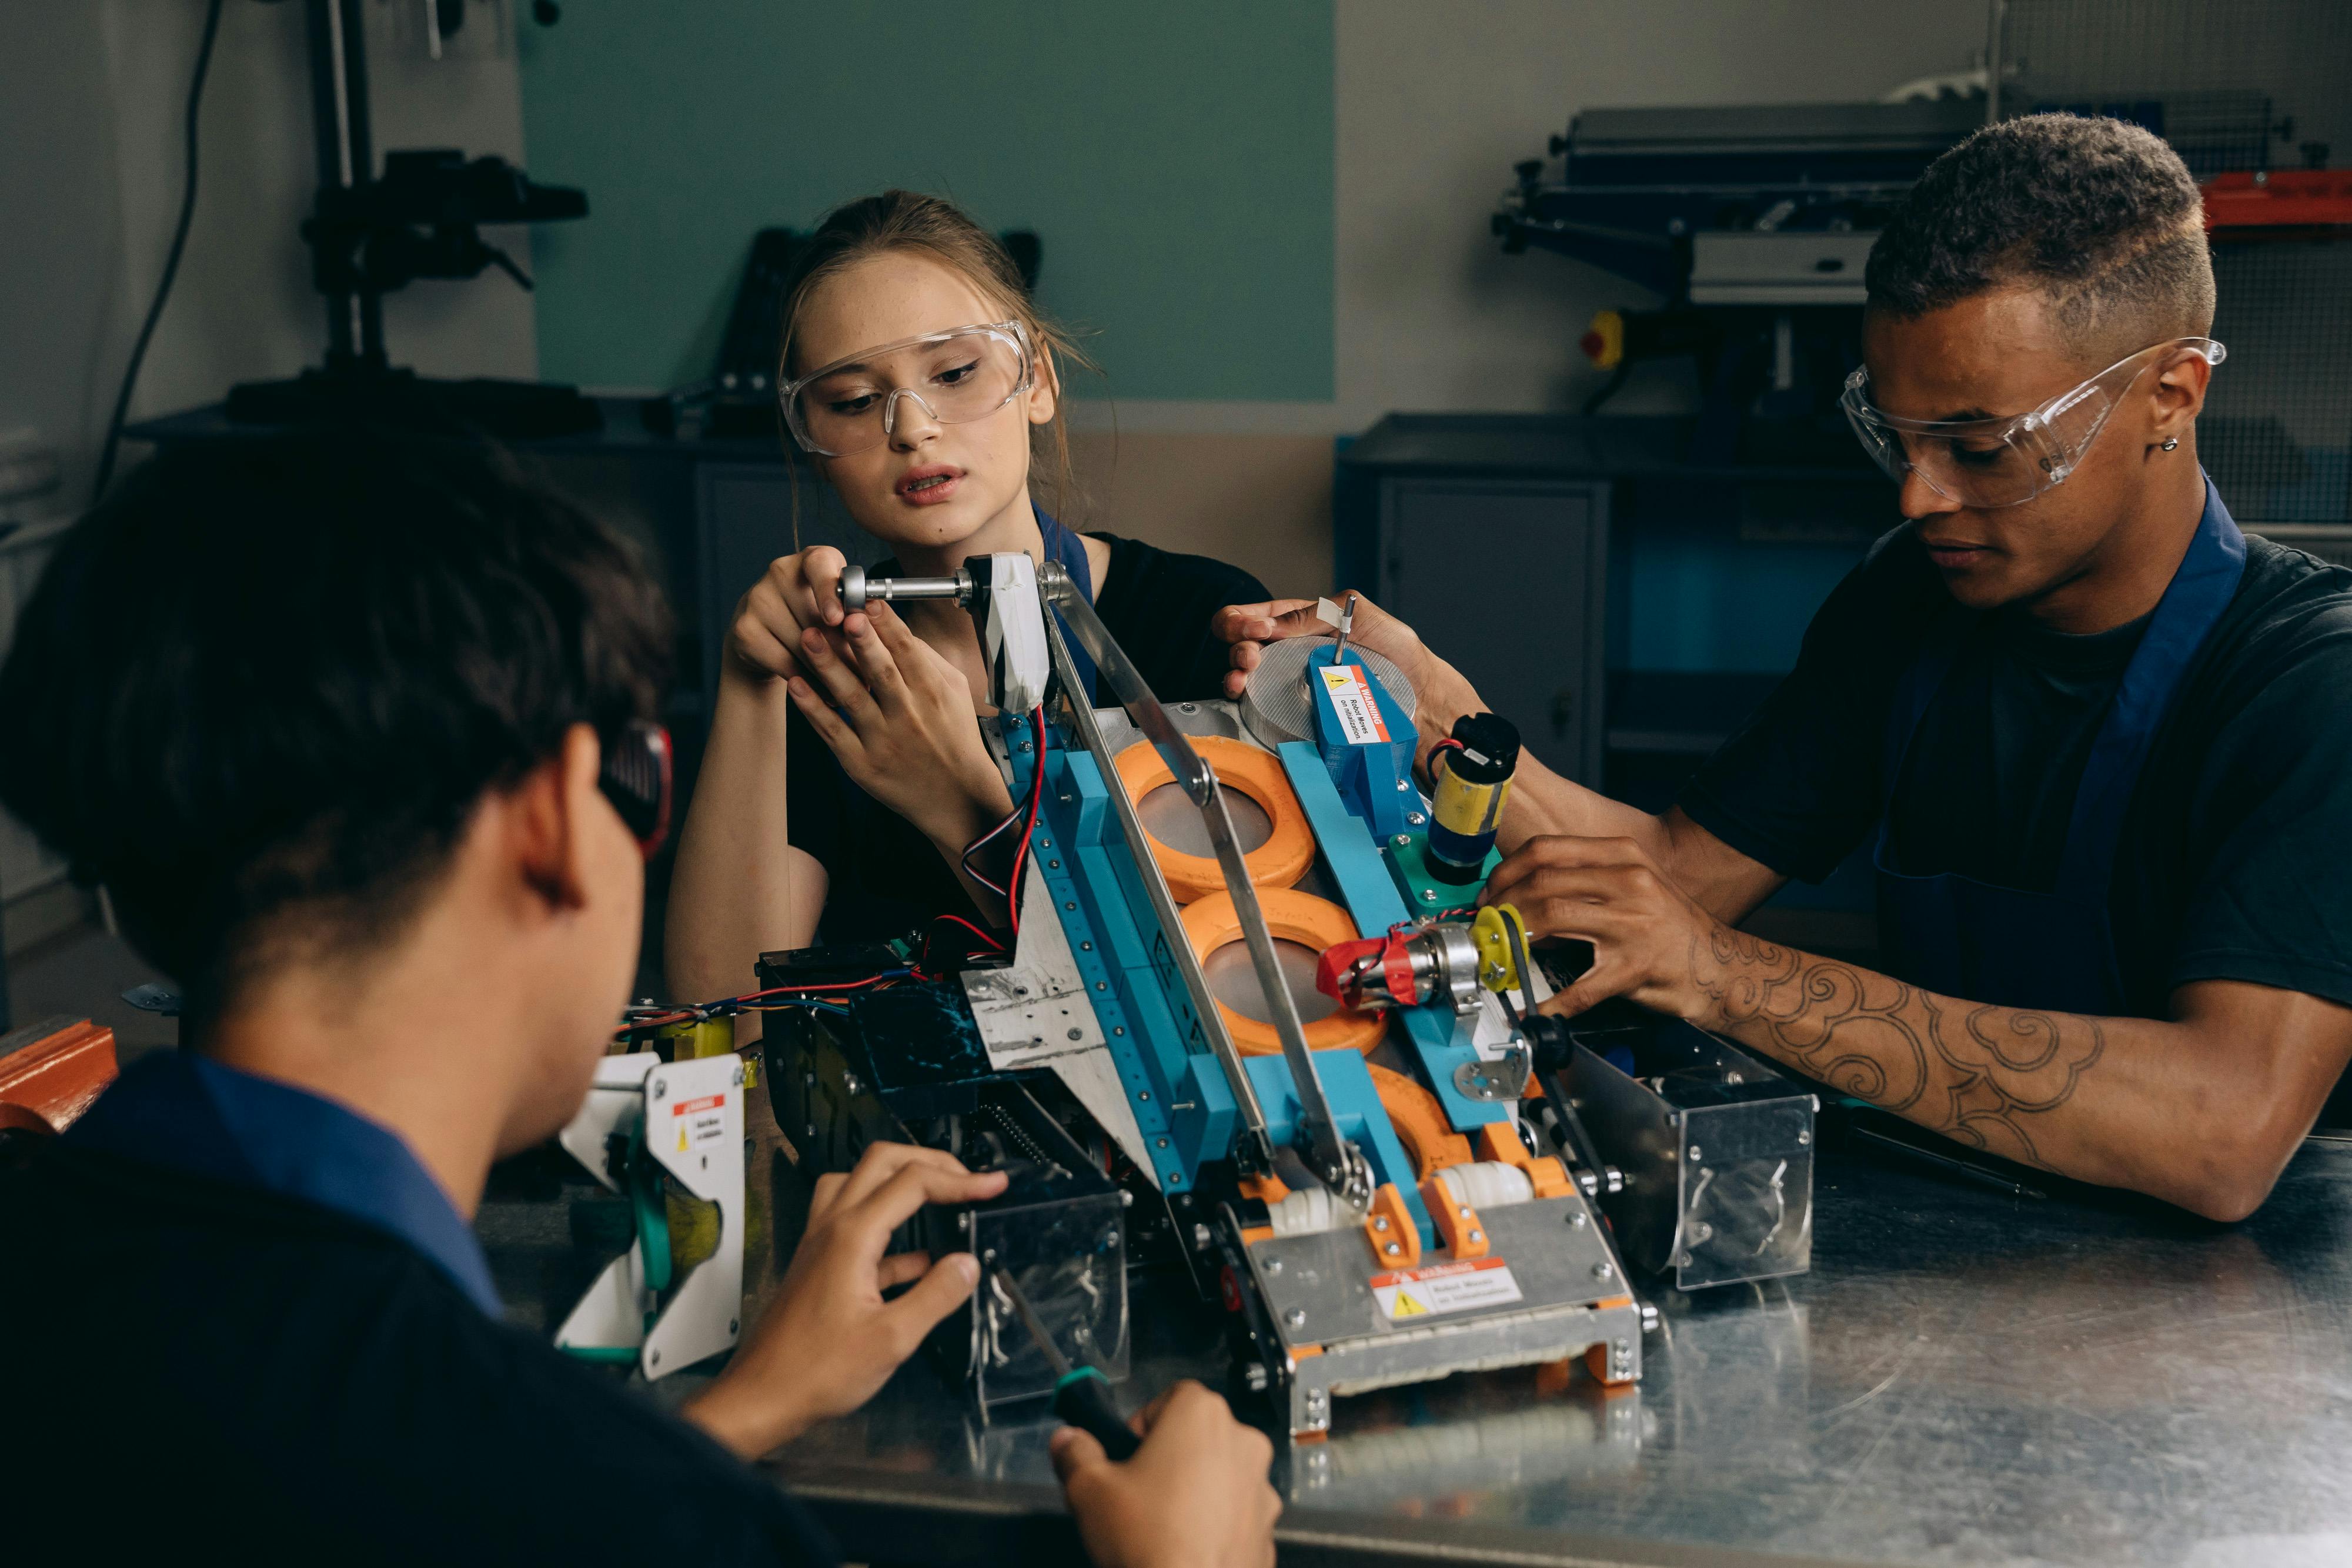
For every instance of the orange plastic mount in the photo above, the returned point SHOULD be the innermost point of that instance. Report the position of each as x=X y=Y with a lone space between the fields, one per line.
x=1395 y=1239
x=1458 y=1225
x=1279 y=861
x=1420 y=1122
x=1313 y=923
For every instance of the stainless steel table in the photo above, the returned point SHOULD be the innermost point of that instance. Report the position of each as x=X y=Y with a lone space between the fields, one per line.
x=1965 y=1377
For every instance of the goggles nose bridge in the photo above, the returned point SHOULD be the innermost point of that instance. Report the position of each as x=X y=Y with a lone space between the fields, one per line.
x=890 y=410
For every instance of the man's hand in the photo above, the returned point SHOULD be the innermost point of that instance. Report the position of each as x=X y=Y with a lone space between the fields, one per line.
x=1249 y=627
x=829 y=1341
x=1195 y=1493
x=796 y=591
x=1649 y=938
x=899 y=717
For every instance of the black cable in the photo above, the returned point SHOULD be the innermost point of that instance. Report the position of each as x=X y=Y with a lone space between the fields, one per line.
x=171 y=262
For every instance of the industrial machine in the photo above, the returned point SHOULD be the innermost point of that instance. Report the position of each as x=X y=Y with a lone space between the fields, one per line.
x=1297 y=1072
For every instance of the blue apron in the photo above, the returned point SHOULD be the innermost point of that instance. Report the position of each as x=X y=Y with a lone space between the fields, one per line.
x=2049 y=951
x=1064 y=546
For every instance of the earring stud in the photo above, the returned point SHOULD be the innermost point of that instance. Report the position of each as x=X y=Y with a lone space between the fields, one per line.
x=2169 y=442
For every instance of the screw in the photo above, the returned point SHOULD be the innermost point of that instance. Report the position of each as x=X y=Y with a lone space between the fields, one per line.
x=1121 y=1031
x=1477 y=1237
x=1080 y=1333
x=1295 y=1317
x=1461 y=1212
x=1273 y=1266
x=1404 y=785
x=1201 y=1237
x=1077 y=1034
x=850 y=1086
x=1803 y=1138
x=1163 y=1143
x=1576 y=1220
x=812 y=1129
x=1695 y=1151
x=661 y=1089
x=1144 y=1095
x=1315 y=1398
x=1254 y=1376
x=1402 y=840
x=1415 y=818
x=1429 y=895
x=1052 y=865
x=1601 y=1270
x=1025 y=745
x=1380 y=1222
x=1393 y=1250
x=963 y=1222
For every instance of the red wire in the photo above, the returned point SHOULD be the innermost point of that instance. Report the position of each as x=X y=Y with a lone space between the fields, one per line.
x=968 y=925
x=1029 y=831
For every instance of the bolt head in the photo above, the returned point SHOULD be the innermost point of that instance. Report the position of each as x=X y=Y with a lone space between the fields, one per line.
x=1380 y=1222
x=1295 y=1317
x=1402 y=840
x=1415 y=818
x=1273 y=1267
x=1577 y=1220
x=1429 y=895
x=1393 y=1250
x=1202 y=1238
x=1254 y=1376
x=1404 y=785
x=1803 y=1138
x=1694 y=1152
x=1476 y=1237
x=1602 y=1270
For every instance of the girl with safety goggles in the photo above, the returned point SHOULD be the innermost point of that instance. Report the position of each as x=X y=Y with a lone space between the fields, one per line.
x=846 y=774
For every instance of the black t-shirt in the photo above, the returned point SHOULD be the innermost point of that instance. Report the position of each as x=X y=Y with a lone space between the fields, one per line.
x=884 y=877
x=195 y=1366
x=2230 y=863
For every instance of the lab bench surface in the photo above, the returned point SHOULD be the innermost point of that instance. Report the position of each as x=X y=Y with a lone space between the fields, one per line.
x=1964 y=1377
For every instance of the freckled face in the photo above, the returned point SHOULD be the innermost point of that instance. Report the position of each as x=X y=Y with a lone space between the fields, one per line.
x=927 y=485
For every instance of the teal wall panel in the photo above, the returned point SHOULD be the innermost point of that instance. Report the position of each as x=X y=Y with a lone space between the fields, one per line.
x=1177 y=160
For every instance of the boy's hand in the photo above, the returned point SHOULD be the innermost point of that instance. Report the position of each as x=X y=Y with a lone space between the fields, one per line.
x=796 y=592
x=1195 y=1492
x=829 y=1341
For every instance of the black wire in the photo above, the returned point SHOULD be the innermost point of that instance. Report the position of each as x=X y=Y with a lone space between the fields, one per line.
x=171 y=262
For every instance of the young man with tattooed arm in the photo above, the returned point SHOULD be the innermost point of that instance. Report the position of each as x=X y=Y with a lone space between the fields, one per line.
x=2099 y=740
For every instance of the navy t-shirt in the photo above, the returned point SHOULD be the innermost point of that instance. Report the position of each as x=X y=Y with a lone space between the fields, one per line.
x=2231 y=865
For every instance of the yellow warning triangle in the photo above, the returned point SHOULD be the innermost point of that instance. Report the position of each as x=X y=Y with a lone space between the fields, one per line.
x=681 y=1140
x=1407 y=1306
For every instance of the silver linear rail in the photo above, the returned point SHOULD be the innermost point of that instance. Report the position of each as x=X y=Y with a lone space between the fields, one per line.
x=1337 y=1163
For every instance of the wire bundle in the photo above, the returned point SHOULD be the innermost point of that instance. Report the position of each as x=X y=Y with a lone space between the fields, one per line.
x=1026 y=815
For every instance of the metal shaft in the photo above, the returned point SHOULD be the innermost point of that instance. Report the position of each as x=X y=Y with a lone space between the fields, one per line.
x=1258 y=1145
x=1334 y=1161
x=858 y=591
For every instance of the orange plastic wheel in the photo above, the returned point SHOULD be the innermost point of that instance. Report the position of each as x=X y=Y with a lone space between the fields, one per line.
x=1292 y=917
x=1278 y=863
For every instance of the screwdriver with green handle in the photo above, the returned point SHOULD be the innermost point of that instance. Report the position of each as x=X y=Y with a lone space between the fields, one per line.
x=1082 y=1395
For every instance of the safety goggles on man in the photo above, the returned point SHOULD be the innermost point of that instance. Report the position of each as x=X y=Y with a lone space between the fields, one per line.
x=851 y=404
x=637 y=779
x=2003 y=461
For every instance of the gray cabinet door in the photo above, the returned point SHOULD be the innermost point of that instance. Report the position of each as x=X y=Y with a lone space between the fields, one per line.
x=745 y=514
x=1507 y=580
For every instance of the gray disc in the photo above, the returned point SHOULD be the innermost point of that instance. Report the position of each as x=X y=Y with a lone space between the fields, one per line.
x=1277 y=706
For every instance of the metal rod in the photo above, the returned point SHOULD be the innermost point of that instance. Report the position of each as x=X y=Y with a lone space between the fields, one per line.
x=858 y=591
x=1260 y=1143
x=1334 y=1161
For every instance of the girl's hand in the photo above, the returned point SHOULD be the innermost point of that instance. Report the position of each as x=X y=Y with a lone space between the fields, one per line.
x=796 y=592
x=904 y=730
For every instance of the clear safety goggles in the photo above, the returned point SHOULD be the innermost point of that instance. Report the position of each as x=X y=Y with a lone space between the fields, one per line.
x=2010 y=459
x=959 y=376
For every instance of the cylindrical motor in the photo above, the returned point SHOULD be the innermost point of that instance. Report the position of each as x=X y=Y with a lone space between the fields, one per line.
x=1472 y=784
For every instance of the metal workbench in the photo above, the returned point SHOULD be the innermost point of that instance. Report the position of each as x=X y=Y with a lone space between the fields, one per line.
x=1964 y=1377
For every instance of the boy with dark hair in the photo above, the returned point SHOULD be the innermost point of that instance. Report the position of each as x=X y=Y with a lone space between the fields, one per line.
x=2102 y=740
x=358 y=732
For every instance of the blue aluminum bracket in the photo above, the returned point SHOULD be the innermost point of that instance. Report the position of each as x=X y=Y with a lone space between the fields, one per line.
x=1441 y=1039
x=1183 y=1107
x=1366 y=738
x=1355 y=1106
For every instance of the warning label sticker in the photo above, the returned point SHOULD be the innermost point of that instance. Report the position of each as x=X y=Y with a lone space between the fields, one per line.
x=1445 y=1288
x=1351 y=698
x=699 y=1122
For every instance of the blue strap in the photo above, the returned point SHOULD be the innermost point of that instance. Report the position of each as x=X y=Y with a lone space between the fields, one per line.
x=1063 y=545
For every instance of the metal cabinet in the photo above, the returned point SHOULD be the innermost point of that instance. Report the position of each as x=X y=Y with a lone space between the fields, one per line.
x=1508 y=580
